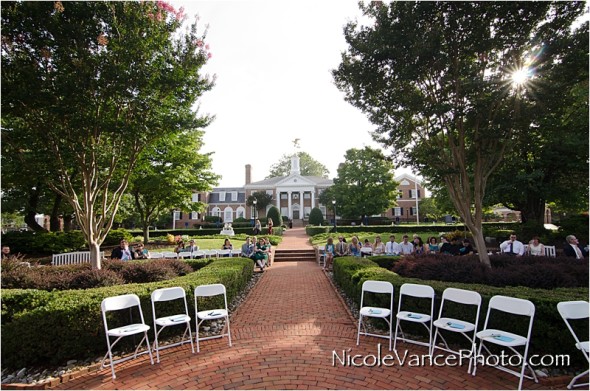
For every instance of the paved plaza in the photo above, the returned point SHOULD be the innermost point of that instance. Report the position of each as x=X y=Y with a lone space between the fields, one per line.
x=285 y=336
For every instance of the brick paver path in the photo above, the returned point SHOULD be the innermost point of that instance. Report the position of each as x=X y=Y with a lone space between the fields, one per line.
x=284 y=337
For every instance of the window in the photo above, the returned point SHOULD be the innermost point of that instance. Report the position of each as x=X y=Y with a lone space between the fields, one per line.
x=241 y=212
x=413 y=193
x=284 y=196
x=228 y=215
x=295 y=196
x=196 y=197
x=306 y=211
x=397 y=211
x=222 y=196
x=412 y=211
x=306 y=196
x=194 y=215
x=269 y=192
x=216 y=211
x=234 y=196
x=177 y=215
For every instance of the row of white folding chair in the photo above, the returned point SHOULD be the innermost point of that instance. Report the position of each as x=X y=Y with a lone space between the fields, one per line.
x=129 y=301
x=467 y=328
x=549 y=250
x=322 y=256
x=576 y=310
x=155 y=255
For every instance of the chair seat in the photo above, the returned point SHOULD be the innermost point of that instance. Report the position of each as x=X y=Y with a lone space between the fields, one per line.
x=448 y=323
x=419 y=317
x=172 y=320
x=129 y=330
x=375 y=312
x=583 y=346
x=492 y=335
x=212 y=314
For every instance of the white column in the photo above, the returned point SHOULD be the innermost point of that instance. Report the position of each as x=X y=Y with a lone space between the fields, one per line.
x=289 y=205
x=312 y=198
x=301 y=211
x=278 y=193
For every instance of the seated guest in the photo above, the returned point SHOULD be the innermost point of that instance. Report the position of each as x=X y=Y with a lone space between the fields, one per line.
x=329 y=254
x=573 y=249
x=419 y=247
x=123 y=252
x=512 y=246
x=392 y=247
x=247 y=248
x=406 y=246
x=260 y=254
x=179 y=246
x=378 y=246
x=355 y=247
x=141 y=252
x=466 y=249
x=5 y=252
x=433 y=247
x=341 y=247
x=536 y=248
x=449 y=248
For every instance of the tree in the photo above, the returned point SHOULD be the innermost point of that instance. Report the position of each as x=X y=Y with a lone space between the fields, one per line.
x=90 y=84
x=316 y=217
x=274 y=214
x=262 y=200
x=442 y=95
x=166 y=175
x=308 y=166
x=547 y=159
x=364 y=185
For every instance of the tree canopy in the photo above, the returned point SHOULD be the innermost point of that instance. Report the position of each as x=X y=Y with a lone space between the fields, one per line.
x=307 y=165
x=364 y=185
x=89 y=85
x=436 y=78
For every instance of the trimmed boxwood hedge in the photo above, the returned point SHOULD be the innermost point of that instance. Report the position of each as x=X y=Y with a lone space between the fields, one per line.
x=53 y=327
x=550 y=336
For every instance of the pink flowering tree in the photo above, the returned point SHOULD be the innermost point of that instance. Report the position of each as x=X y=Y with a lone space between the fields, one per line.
x=89 y=85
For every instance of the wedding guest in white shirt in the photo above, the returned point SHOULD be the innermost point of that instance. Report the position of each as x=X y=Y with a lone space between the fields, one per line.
x=536 y=248
x=392 y=247
x=406 y=247
x=512 y=246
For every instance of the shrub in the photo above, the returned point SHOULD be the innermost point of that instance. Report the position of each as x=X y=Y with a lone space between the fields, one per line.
x=115 y=236
x=316 y=217
x=575 y=225
x=213 y=219
x=44 y=242
x=532 y=272
x=65 y=325
x=87 y=279
x=351 y=272
x=141 y=272
x=274 y=214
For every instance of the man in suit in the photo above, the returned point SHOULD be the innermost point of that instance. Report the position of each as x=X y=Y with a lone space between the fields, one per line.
x=512 y=246
x=341 y=249
x=123 y=252
x=573 y=249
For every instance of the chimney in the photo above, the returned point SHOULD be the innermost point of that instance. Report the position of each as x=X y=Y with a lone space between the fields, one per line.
x=248 y=174
x=295 y=165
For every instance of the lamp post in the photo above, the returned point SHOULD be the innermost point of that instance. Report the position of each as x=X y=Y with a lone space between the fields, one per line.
x=334 y=205
x=255 y=211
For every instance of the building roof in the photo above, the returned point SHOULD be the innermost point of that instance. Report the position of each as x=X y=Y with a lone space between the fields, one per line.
x=271 y=182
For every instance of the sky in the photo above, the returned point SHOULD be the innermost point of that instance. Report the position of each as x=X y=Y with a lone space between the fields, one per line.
x=273 y=62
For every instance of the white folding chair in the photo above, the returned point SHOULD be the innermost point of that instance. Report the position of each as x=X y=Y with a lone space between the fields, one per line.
x=211 y=253
x=527 y=251
x=322 y=256
x=116 y=303
x=507 y=339
x=550 y=251
x=236 y=252
x=169 y=255
x=155 y=255
x=223 y=253
x=455 y=325
x=211 y=314
x=185 y=254
x=416 y=291
x=199 y=254
x=576 y=310
x=164 y=295
x=375 y=312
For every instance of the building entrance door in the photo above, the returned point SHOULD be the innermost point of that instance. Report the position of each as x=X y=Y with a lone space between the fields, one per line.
x=296 y=215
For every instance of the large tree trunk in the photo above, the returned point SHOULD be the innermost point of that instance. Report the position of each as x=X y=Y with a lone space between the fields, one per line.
x=533 y=211
x=480 y=244
x=54 y=223
x=146 y=234
x=95 y=258
x=31 y=210
x=68 y=222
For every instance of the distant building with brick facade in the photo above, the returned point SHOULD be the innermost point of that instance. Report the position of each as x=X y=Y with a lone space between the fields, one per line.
x=294 y=195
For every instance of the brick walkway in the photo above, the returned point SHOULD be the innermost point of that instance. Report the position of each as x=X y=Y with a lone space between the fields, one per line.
x=284 y=336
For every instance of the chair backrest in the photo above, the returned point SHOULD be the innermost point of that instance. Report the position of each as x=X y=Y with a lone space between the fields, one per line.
x=512 y=305
x=115 y=303
x=211 y=253
x=166 y=294
x=377 y=286
x=210 y=290
x=169 y=254
x=321 y=248
x=366 y=250
x=155 y=255
x=462 y=296
x=573 y=310
x=236 y=251
x=526 y=249
x=223 y=252
x=550 y=251
x=417 y=290
x=184 y=254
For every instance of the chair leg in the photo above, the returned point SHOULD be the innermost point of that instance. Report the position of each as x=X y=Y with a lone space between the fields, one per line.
x=197 y=335
x=358 y=331
x=395 y=334
x=228 y=330
x=576 y=378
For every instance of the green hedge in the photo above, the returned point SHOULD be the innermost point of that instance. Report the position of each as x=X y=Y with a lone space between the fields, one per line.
x=54 y=327
x=550 y=336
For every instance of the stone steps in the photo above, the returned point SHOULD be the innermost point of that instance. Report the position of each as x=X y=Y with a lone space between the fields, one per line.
x=294 y=255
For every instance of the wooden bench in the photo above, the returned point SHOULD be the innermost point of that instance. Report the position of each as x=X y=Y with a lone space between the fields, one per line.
x=72 y=258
